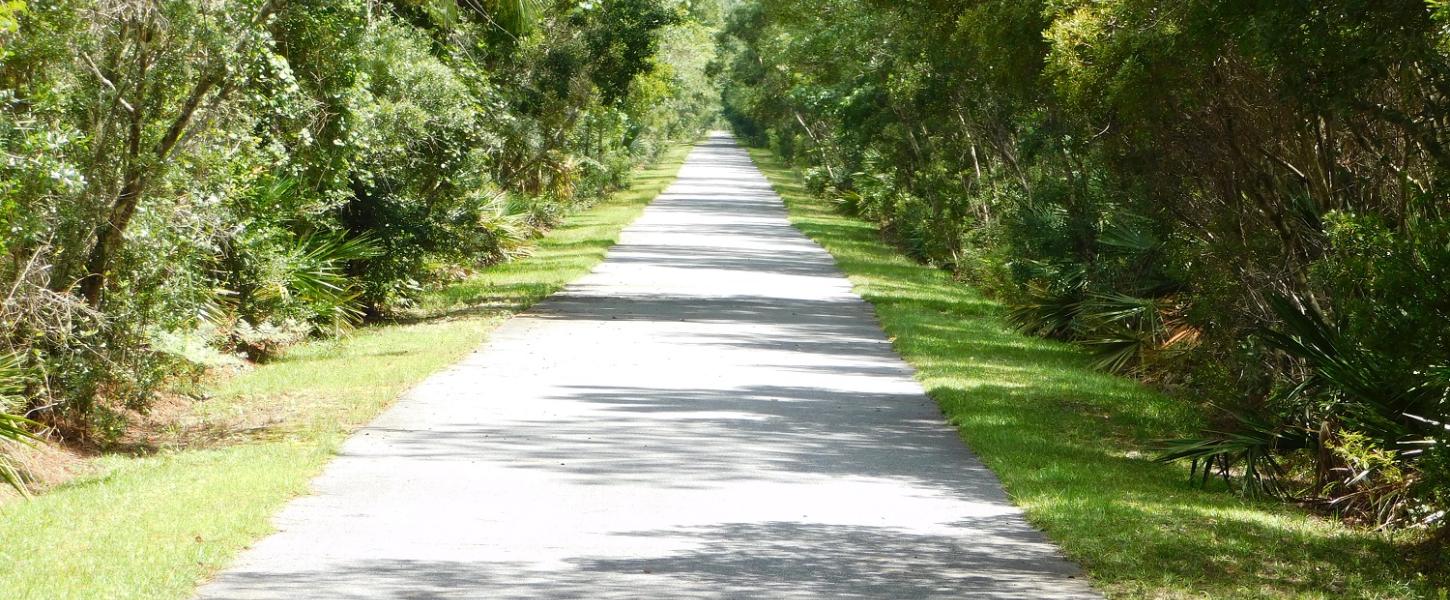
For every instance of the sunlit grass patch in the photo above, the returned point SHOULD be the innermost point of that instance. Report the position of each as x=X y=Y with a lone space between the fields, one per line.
x=1072 y=445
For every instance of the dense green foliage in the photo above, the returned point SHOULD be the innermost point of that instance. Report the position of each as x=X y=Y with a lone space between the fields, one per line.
x=1066 y=438
x=187 y=180
x=1241 y=202
x=151 y=526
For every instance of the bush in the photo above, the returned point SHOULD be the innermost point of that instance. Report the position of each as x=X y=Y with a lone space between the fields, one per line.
x=1145 y=178
x=266 y=171
x=13 y=429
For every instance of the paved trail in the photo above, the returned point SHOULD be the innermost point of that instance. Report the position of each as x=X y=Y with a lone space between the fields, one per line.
x=710 y=414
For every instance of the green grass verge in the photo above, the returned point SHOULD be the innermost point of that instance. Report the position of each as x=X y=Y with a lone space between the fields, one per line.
x=156 y=526
x=1070 y=444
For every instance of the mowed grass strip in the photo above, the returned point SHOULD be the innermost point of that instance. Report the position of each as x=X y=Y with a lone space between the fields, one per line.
x=1073 y=445
x=155 y=526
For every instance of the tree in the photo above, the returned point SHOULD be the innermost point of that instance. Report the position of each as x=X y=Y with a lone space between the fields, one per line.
x=162 y=69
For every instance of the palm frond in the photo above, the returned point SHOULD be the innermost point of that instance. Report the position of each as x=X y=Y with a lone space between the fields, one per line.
x=1052 y=300
x=1372 y=395
x=1128 y=238
x=1118 y=350
x=1122 y=331
x=1142 y=314
x=13 y=428
x=1044 y=312
x=1248 y=449
x=317 y=274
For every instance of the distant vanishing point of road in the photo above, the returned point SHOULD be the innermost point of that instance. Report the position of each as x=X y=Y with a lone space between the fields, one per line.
x=711 y=413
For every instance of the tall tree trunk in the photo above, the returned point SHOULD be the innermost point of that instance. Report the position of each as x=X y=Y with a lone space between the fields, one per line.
x=109 y=237
x=111 y=233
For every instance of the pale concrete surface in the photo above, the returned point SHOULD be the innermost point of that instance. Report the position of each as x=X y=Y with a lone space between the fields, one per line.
x=712 y=413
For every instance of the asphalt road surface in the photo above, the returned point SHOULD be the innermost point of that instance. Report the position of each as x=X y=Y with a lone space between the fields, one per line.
x=711 y=413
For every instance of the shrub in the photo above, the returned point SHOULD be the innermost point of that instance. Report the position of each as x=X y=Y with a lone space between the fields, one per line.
x=13 y=429
x=267 y=169
x=1144 y=178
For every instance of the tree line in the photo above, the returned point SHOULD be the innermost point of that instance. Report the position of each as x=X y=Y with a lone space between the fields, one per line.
x=1240 y=203
x=180 y=178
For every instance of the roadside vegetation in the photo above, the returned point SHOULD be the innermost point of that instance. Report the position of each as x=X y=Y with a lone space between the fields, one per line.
x=1067 y=441
x=1240 y=204
x=188 y=188
x=232 y=231
x=153 y=524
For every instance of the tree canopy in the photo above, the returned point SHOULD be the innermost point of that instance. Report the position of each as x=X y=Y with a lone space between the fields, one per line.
x=1239 y=202
x=256 y=172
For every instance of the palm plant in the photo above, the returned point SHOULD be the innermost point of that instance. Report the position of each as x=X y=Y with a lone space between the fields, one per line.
x=290 y=286
x=504 y=228
x=1357 y=409
x=1051 y=301
x=1248 y=447
x=13 y=429
x=1346 y=382
x=1045 y=312
x=1126 y=333
x=1130 y=237
x=316 y=275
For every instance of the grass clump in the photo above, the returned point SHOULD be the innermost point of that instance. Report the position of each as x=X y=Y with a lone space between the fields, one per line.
x=155 y=524
x=1070 y=444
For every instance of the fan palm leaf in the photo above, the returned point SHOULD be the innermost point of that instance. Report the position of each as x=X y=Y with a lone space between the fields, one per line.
x=13 y=428
x=1250 y=447
x=318 y=274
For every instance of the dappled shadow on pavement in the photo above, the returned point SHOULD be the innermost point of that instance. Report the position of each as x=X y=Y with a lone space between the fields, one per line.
x=710 y=437
x=1075 y=444
x=710 y=414
x=732 y=560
